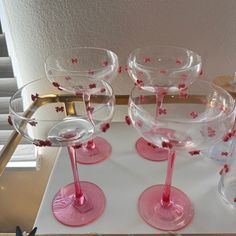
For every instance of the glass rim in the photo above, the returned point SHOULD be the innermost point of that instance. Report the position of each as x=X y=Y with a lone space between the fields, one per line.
x=131 y=99
x=74 y=72
x=145 y=66
x=21 y=117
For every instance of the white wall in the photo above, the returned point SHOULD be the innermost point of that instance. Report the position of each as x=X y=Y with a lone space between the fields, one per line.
x=39 y=27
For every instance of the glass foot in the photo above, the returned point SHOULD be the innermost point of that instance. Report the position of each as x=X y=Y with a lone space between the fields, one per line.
x=175 y=216
x=150 y=152
x=70 y=213
x=100 y=152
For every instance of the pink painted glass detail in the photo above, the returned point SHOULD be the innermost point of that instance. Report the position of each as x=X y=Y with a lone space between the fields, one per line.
x=119 y=70
x=9 y=120
x=59 y=109
x=35 y=96
x=74 y=60
x=147 y=59
x=194 y=152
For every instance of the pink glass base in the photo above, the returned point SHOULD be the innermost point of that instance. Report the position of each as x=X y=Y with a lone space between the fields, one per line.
x=150 y=152
x=175 y=216
x=68 y=212
x=100 y=152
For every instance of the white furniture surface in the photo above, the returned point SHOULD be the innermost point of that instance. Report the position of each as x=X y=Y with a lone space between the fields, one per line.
x=124 y=176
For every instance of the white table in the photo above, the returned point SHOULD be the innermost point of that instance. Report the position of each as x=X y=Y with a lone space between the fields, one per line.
x=124 y=176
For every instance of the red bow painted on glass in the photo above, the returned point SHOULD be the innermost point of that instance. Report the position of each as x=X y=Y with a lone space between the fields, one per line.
x=162 y=111
x=67 y=78
x=119 y=70
x=55 y=84
x=127 y=120
x=166 y=145
x=139 y=83
x=9 y=121
x=224 y=154
x=33 y=123
x=178 y=61
x=225 y=169
x=91 y=86
x=229 y=135
x=42 y=143
x=59 y=109
x=90 y=109
x=194 y=114
x=211 y=132
x=102 y=90
x=105 y=127
x=105 y=63
x=194 y=152
x=34 y=97
x=147 y=59
x=74 y=60
x=181 y=86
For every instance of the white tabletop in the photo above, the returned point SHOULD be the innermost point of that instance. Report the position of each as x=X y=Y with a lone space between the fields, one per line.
x=124 y=176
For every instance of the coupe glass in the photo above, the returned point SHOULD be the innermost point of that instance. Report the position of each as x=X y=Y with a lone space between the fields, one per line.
x=227 y=183
x=221 y=150
x=65 y=69
x=190 y=123
x=47 y=116
x=162 y=69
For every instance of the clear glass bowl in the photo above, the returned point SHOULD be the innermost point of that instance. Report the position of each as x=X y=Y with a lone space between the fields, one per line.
x=63 y=68
x=164 y=66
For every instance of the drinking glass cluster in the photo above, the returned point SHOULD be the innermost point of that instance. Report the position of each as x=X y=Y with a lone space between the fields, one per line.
x=169 y=107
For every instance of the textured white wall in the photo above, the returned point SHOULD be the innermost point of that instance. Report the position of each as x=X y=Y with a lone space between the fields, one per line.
x=39 y=27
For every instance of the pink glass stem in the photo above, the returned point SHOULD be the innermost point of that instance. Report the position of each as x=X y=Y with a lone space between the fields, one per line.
x=78 y=191
x=166 y=192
